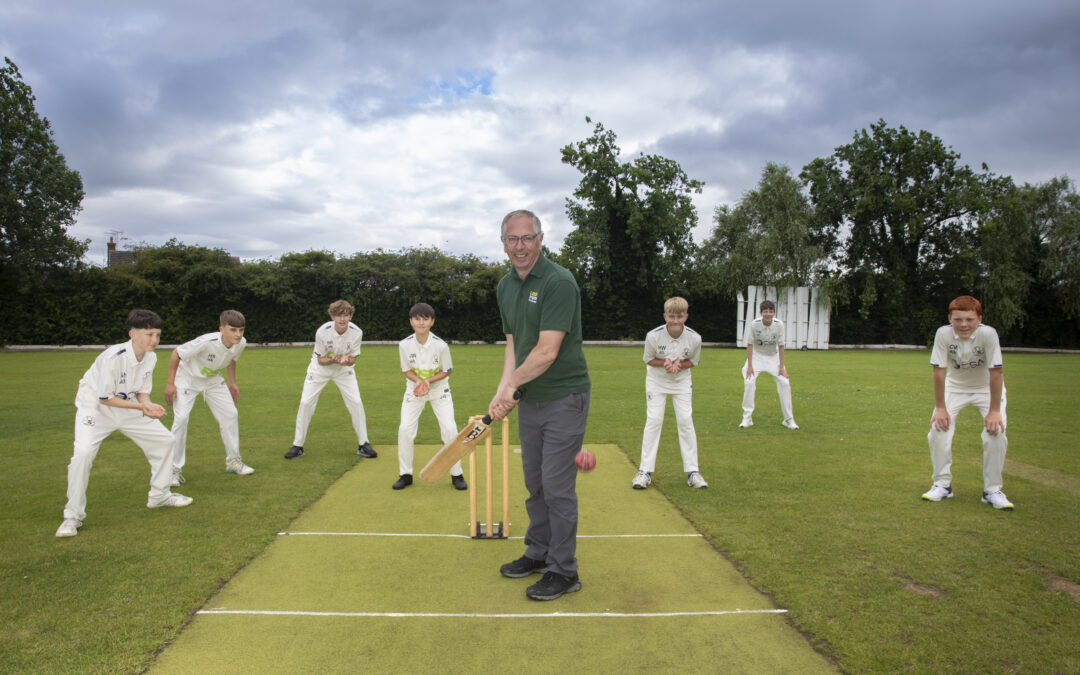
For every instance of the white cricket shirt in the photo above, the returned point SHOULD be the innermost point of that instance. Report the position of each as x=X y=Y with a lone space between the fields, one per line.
x=206 y=357
x=660 y=345
x=330 y=344
x=426 y=360
x=765 y=339
x=967 y=361
x=116 y=373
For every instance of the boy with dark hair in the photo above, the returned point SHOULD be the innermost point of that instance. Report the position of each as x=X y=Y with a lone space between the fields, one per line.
x=337 y=344
x=425 y=360
x=197 y=367
x=765 y=353
x=114 y=395
x=968 y=372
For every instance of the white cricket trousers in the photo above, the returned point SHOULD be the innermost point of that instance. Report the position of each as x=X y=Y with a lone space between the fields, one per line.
x=411 y=407
x=345 y=379
x=994 y=447
x=766 y=363
x=92 y=426
x=655 y=406
x=219 y=400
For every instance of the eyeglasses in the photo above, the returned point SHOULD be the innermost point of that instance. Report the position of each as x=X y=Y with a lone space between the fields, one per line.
x=513 y=240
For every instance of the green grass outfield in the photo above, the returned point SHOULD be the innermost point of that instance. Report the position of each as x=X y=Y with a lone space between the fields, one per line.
x=826 y=521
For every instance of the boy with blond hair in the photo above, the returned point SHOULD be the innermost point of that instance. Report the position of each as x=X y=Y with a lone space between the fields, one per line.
x=207 y=366
x=968 y=372
x=114 y=395
x=671 y=351
x=337 y=344
x=425 y=360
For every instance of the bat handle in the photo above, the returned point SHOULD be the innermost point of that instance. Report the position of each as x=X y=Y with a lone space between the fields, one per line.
x=517 y=397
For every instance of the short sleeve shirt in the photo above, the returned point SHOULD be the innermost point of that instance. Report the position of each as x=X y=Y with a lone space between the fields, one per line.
x=426 y=360
x=206 y=358
x=765 y=339
x=967 y=361
x=660 y=345
x=330 y=344
x=116 y=373
x=546 y=299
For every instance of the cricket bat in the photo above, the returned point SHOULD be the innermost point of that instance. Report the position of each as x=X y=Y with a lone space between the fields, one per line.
x=452 y=452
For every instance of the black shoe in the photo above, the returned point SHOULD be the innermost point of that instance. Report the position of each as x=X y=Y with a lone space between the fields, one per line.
x=365 y=450
x=294 y=451
x=459 y=482
x=552 y=586
x=403 y=481
x=523 y=567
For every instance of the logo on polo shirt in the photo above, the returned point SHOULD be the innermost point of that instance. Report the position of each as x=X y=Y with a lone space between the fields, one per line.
x=533 y=295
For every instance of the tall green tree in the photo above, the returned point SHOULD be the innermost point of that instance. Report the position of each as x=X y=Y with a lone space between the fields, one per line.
x=39 y=195
x=769 y=238
x=910 y=210
x=632 y=240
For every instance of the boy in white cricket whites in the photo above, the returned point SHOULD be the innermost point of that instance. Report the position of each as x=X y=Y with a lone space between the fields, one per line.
x=114 y=395
x=337 y=344
x=197 y=367
x=765 y=354
x=671 y=351
x=968 y=372
x=425 y=360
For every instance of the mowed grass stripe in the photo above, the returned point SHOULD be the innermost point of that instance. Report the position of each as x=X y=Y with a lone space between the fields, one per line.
x=678 y=582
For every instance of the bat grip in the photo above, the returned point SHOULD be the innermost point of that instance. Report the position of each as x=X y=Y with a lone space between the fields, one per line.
x=517 y=397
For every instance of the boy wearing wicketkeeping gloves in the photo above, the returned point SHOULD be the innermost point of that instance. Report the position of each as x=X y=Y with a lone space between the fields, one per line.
x=425 y=360
x=207 y=366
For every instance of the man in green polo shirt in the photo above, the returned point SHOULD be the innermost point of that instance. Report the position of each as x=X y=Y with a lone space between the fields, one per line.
x=540 y=305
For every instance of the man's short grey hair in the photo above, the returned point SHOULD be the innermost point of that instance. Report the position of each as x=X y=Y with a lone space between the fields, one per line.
x=517 y=214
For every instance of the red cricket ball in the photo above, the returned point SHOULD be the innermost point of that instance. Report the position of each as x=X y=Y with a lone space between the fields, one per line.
x=585 y=461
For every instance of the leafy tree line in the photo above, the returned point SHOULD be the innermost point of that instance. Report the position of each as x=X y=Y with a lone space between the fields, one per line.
x=892 y=224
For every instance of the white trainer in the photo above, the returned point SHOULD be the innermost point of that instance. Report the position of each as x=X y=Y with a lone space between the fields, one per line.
x=239 y=468
x=69 y=528
x=790 y=424
x=174 y=499
x=642 y=480
x=695 y=480
x=937 y=493
x=998 y=500
x=177 y=478
x=746 y=423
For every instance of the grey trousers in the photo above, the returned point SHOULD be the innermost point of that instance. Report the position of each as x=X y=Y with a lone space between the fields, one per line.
x=551 y=434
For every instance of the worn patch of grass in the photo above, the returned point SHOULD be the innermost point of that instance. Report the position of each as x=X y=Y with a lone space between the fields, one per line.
x=826 y=519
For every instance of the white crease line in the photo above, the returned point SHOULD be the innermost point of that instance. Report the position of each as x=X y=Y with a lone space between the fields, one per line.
x=465 y=536
x=462 y=615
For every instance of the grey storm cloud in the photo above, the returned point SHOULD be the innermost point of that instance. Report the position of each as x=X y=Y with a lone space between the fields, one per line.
x=270 y=127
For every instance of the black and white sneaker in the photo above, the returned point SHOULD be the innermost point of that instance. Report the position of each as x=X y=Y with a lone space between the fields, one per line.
x=365 y=450
x=552 y=586
x=294 y=452
x=523 y=567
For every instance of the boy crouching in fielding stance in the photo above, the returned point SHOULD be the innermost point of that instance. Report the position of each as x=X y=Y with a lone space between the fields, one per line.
x=337 y=344
x=114 y=395
x=765 y=354
x=425 y=360
x=671 y=351
x=196 y=367
x=968 y=372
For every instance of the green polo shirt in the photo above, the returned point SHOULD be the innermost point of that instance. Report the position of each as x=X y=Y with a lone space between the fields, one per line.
x=546 y=299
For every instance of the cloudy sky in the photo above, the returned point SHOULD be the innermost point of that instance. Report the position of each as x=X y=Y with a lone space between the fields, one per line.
x=277 y=126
